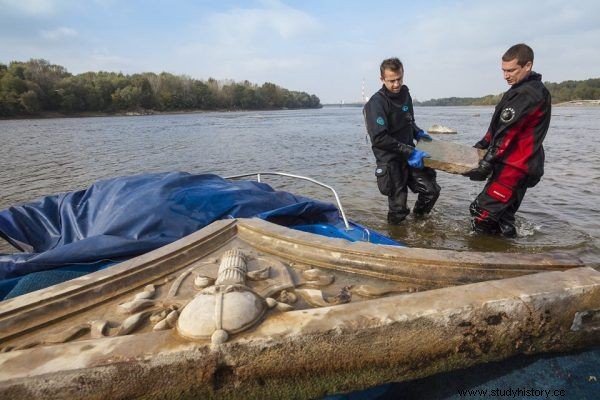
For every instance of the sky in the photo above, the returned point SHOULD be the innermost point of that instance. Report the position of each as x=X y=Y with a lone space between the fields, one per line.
x=327 y=48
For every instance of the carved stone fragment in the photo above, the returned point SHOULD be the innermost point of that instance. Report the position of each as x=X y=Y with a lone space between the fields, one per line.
x=241 y=337
x=454 y=158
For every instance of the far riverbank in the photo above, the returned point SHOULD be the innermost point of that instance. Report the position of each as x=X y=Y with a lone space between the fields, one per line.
x=54 y=114
x=578 y=103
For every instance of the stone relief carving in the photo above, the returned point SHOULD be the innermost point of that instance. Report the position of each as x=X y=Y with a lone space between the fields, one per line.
x=229 y=306
x=203 y=305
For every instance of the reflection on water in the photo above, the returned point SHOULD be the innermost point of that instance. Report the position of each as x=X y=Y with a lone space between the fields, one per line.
x=42 y=157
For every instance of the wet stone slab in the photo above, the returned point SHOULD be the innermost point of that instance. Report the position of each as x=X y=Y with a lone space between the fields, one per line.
x=454 y=158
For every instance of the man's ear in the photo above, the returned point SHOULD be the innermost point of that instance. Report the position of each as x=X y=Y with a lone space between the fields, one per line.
x=529 y=66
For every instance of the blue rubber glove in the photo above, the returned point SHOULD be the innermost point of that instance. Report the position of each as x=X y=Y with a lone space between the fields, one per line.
x=422 y=135
x=416 y=158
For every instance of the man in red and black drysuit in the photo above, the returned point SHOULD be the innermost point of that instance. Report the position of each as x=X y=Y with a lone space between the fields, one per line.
x=514 y=160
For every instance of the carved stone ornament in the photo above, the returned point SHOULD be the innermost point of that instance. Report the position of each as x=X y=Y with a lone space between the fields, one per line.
x=244 y=308
x=228 y=307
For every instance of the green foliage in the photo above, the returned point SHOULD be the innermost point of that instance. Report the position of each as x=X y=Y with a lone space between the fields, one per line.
x=29 y=101
x=574 y=90
x=448 y=101
x=28 y=88
x=588 y=89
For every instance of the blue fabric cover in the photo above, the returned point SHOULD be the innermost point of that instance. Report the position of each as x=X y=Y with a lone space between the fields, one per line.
x=127 y=216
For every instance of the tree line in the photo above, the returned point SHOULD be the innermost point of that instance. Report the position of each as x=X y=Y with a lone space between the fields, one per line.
x=588 y=89
x=36 y=86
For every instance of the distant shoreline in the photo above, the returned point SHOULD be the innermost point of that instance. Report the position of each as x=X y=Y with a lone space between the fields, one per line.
x=572 y=103
x=585 y=103
x=88 y=114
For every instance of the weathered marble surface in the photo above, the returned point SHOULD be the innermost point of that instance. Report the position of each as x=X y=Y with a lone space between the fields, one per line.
x=341 y=316
x=454 y=158
x=441 y=129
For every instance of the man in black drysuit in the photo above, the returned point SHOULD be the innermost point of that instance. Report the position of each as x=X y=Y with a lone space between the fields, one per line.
x=514 y=160
x=391 y=126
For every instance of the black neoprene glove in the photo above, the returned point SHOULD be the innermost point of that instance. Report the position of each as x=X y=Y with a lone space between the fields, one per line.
x=481 y=172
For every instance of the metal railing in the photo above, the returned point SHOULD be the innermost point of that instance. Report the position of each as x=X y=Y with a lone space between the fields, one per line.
x=337 y=199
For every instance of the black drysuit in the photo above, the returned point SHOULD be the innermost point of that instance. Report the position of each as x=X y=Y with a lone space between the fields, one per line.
x=514 y=149
x=389 y=119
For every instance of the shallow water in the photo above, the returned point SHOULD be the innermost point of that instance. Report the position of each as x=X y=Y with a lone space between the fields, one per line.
x=46 y=156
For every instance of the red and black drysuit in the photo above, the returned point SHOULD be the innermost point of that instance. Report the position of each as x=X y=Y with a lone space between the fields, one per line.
x=514 y=154
x=390 y=122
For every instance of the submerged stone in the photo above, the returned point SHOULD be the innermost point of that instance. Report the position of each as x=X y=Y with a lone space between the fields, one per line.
x=441 y=129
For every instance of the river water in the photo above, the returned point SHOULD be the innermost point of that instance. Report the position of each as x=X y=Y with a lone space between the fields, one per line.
x=46 y=156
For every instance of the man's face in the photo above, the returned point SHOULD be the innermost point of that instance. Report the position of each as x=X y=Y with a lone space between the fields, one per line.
x=514 y=73
x=393 y=79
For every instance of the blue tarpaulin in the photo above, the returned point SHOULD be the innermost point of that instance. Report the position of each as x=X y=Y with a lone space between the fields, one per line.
x=119 y=218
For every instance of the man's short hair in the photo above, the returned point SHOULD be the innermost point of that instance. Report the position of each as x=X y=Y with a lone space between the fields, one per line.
x=393 y=64
x=521 y=52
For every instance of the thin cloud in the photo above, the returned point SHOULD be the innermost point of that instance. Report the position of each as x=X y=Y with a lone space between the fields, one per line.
x=105 y=60
x=259 y=64
x=461 y=44
x=255 y=43
x=29 y=7
x=241 y=25
x=59 y=33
